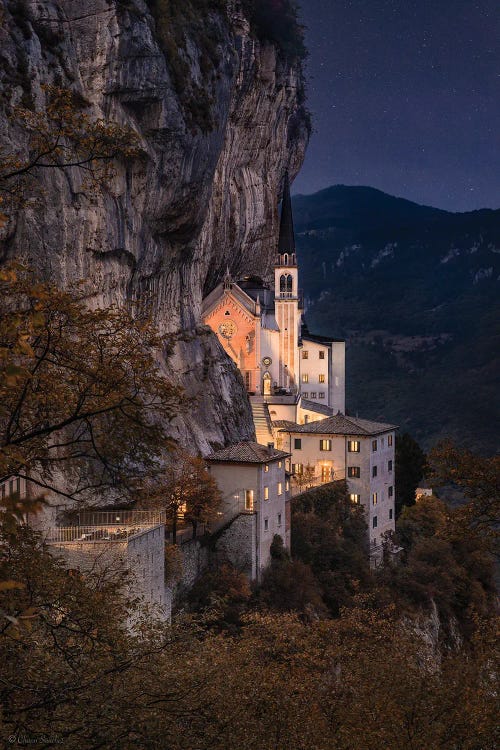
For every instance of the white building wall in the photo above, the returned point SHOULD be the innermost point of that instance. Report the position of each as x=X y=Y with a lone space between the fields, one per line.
x=337 y=377
x=315 y=369
x=381 y=484
x=233 y=478
x=269 y=347
x=340 y=459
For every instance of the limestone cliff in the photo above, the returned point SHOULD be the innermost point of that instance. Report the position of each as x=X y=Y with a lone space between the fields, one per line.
x=219 y=115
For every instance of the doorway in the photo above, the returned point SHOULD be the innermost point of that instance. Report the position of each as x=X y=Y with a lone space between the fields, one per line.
x=266 y=384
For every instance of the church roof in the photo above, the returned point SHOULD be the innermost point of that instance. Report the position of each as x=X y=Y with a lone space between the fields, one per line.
x=286 y=242
x=247 y=452
x=235 y=291
x=339 y=424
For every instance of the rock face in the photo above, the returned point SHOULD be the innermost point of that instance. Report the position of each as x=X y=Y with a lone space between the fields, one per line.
x=200 y=198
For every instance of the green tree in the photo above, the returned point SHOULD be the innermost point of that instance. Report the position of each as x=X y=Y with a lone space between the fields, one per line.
x=410 y=468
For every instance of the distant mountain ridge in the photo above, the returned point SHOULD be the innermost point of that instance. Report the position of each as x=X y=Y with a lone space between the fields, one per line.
x=415 y=291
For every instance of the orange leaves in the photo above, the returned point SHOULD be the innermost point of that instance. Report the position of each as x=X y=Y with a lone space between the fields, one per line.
x=61 y=136
x=79 y=389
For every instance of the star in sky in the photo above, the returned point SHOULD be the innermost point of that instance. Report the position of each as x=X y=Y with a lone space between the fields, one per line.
x=405 y=96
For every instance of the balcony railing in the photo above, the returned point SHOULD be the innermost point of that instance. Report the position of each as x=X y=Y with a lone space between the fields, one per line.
x=90 y=517
x=105 y=533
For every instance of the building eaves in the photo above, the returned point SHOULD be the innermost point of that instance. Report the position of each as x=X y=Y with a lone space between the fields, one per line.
x=339 y=424
x=247 y=452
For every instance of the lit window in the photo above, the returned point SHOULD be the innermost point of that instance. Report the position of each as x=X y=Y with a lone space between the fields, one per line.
x=354 y=498
x=266 y=524
x=321 y=378
x=374 y=445
x=325 y=445
x=374 y=471
x=266 y=467
x=279 y=464
x=374 y=522
x=322 y=354
x=305 y=378
x=321 y=395
x=353 y=446
x=313 y=394
x=389 y=466
x=266 y=493
x=354 y=472
x=287 y=485
x=326 y=474
x=280 y=488
x=279 y=519
x=297 y=443
x=305 y=354
x=248 y=499
x=298 y=468
x=374 y=498
x=391 y=491
x=389 y=440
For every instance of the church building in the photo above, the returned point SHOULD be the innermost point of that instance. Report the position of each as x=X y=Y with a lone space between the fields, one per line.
x=262 y=328
x=296 y=384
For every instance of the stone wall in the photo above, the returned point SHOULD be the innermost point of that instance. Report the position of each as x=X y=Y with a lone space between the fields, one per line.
x=141 y=558
x=238 y=544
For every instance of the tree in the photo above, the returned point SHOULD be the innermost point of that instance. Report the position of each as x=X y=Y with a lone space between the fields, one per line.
x=329 y=535
x=479 y=479
x=84 y=400
x=306 y=478
x=185 y=490
x=61 y=136
x=410 y=467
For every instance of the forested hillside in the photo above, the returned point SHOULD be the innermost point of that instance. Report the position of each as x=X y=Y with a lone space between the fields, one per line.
x=415 y=292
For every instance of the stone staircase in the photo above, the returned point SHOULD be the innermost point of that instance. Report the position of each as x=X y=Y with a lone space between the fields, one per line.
x=261 y=420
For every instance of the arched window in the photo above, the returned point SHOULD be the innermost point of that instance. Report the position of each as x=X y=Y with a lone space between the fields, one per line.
x=286 y=285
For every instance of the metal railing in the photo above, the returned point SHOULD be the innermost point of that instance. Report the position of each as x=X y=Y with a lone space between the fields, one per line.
x=298 y=487
x=90 y=517
x=94 y=533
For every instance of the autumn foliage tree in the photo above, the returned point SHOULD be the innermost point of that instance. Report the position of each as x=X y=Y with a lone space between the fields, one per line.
x=84 y=400
x=62 y=135
x=185 y=490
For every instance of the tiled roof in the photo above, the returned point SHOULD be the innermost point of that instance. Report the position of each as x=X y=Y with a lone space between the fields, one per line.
x=318 y=408
x=285 y=423
x=247 y=453
x=342 y=425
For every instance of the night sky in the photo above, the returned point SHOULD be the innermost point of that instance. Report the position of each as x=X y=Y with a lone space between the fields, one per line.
x=405 y=97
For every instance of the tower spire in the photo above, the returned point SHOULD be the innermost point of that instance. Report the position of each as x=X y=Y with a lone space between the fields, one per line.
x=286 y=242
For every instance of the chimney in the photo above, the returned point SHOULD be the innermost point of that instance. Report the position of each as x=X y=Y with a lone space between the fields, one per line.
x=270 y=448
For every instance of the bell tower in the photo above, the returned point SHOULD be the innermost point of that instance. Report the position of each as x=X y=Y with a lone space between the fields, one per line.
x=286 y=295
